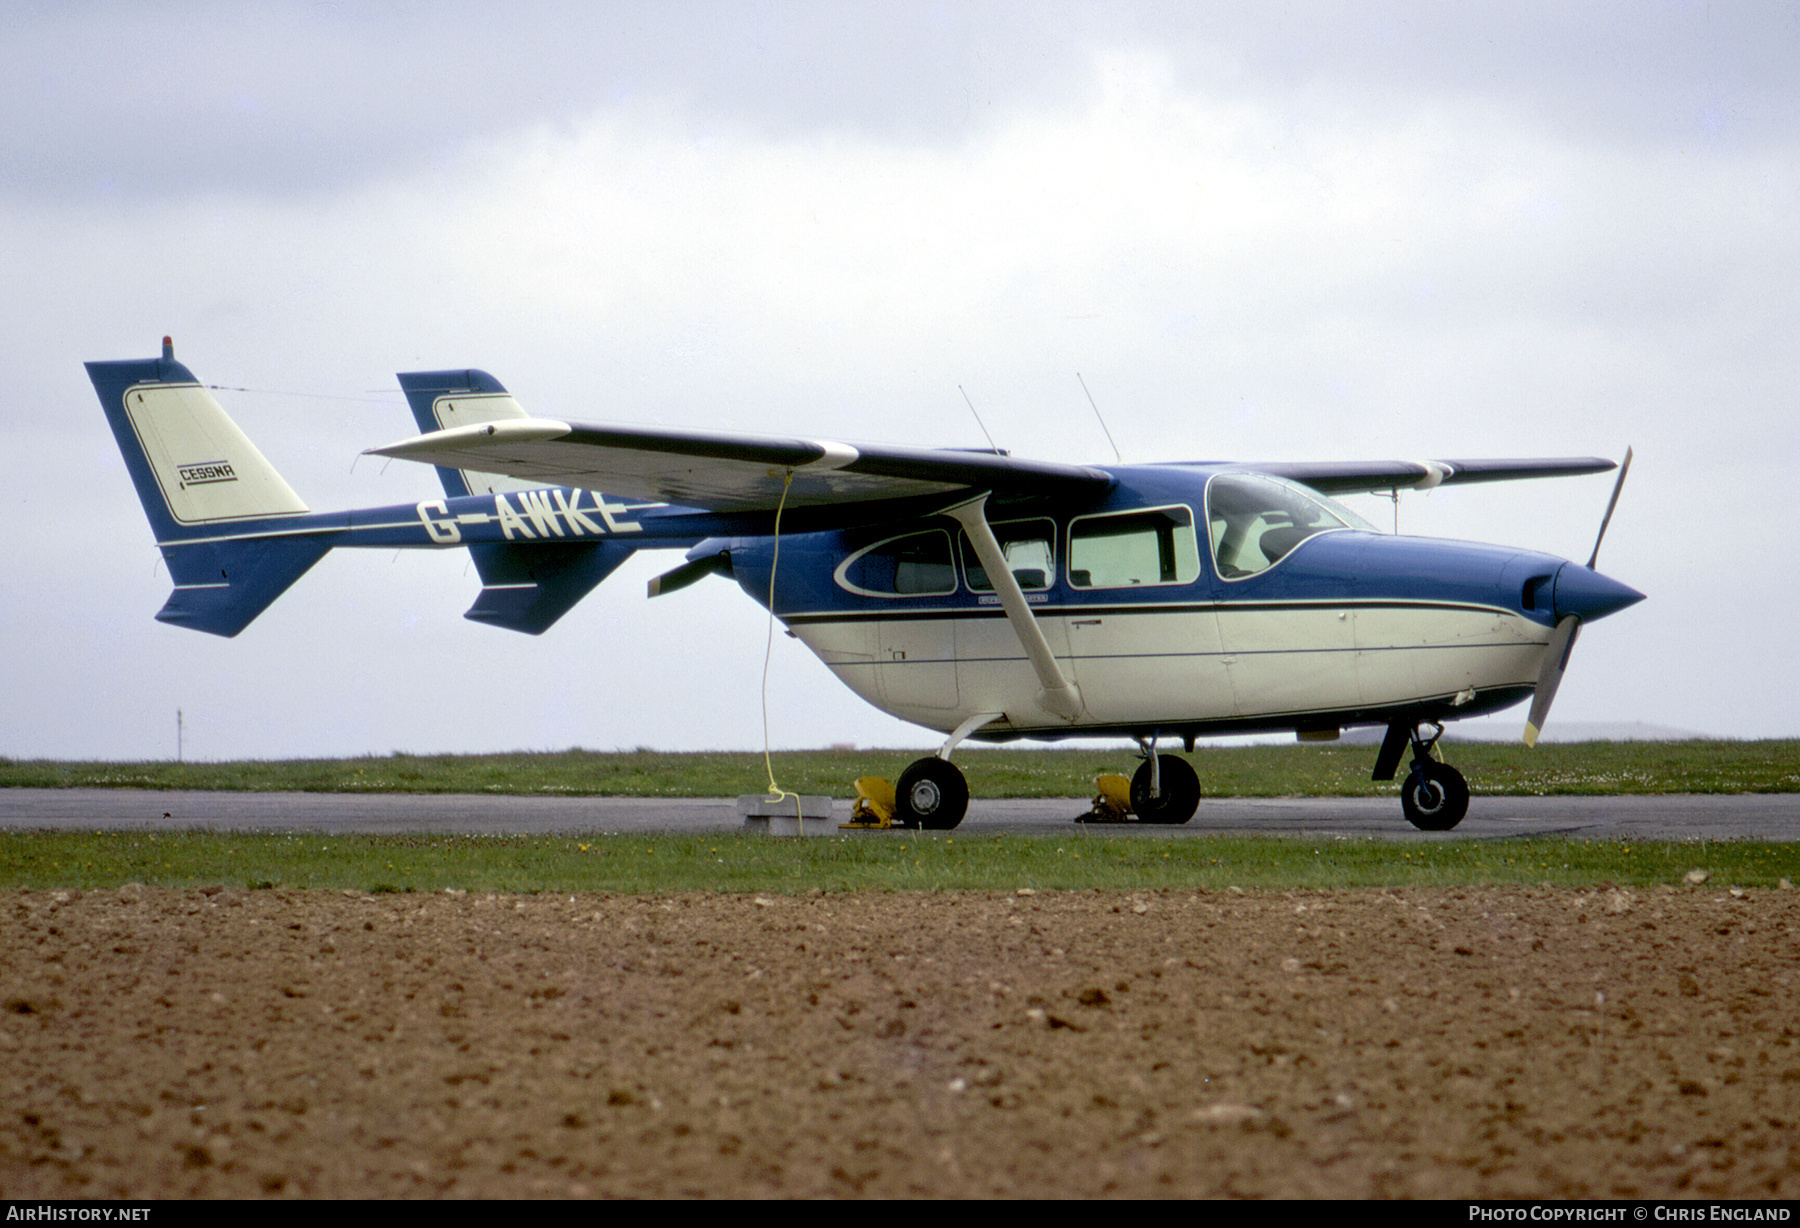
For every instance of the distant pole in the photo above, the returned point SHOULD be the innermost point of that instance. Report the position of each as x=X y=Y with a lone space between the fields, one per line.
x=178 y=735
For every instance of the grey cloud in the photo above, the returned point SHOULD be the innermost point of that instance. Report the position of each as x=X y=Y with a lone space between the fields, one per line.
x=129 y=101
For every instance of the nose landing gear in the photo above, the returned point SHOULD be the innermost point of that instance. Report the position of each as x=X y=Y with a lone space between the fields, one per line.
x=1434 y=796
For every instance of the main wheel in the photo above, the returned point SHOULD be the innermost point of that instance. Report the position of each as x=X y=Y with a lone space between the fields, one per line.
x=1435 y=796
x=1180 y=792
x=931 y=794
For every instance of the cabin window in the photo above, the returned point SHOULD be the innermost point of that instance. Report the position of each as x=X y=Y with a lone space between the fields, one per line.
x=1130 y=549
x=916 y=565
x=1030 y=550
x=1255 y=520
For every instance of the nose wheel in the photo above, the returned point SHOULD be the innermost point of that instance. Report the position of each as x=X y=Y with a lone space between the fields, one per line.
x=1435 y=796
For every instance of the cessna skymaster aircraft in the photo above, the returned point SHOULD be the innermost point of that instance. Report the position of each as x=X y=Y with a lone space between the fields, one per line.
x=970 y=592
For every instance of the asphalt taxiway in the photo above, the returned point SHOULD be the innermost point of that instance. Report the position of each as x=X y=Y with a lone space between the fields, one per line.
x=1757 y=816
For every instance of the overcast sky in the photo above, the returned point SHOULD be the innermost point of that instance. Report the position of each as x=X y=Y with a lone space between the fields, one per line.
x=1260 y=232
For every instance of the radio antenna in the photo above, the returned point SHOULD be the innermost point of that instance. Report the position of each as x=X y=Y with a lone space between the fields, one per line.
x=979 y=422
x=1103 y=426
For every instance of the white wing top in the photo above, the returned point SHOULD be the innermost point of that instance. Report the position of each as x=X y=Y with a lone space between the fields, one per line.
x=734 y=473
x=747 y=473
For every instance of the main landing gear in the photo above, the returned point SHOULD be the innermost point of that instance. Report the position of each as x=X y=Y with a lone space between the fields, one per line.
x=1164 y=789
x=932 y=794
x=1434 y=796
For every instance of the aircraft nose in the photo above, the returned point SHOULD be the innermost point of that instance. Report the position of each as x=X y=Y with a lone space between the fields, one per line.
x=1589 y=595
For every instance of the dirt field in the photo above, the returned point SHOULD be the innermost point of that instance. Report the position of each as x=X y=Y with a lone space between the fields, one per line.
x=1462 y=1043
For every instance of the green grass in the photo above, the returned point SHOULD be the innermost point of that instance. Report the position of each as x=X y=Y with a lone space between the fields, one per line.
x=1331 y=770
x=860 y=861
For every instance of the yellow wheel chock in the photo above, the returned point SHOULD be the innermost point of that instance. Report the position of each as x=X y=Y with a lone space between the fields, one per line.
x=874 y=807
x=1112 y=803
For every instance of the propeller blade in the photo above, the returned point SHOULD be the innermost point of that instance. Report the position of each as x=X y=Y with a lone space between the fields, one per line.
x=688 y=573
x=1556 y=660
x=1618 y=485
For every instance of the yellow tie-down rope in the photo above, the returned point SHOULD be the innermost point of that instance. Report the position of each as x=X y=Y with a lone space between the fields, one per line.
x=776 y=792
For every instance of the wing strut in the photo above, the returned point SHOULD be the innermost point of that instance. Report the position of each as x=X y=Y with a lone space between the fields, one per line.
x=1059 y=696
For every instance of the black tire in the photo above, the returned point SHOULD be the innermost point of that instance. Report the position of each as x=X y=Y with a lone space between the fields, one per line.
x=932 y=794
x=1435 y=796
x=1180 y=792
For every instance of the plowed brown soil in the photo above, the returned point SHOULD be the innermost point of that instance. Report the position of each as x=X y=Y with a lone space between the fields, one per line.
x=1459 y=1043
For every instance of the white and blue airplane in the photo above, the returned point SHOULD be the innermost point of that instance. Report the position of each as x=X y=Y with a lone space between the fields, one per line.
x=973 y=593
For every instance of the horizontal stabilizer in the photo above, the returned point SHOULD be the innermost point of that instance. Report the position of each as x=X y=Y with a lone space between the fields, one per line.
x=221 y=586
x=691 y=572
x=527 y=588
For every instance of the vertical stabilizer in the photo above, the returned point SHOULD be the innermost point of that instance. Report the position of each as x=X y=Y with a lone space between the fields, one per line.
x=527 y=588
x=443 y=399
x=209 y=493
x=524 y=587
x=192 y=466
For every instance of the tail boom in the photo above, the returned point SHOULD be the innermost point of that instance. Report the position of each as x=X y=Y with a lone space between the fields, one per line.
x=236 y=536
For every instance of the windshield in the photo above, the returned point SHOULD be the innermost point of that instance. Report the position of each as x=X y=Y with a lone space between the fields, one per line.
x=1254 y=520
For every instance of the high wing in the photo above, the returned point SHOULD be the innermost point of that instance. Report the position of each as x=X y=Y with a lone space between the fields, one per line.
x=732 y=473
x=736 y=473
x=1356 y=477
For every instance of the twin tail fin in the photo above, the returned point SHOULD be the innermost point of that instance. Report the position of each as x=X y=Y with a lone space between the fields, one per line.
x=236 y=536
x=213 y=500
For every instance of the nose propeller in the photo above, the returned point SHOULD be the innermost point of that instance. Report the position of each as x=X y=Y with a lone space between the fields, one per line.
x=1556 y=660
x=1618 y=485
x=1581 y=594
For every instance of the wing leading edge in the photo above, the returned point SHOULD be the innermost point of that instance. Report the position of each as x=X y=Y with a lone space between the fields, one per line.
x=735 y=473
x=1355 y=477
x=730 y=473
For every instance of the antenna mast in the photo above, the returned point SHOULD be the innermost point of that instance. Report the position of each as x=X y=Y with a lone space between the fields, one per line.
x=1103 y=426
x=978 y=421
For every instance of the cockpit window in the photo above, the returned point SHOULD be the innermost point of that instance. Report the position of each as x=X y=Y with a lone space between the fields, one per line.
x=1029 y=549
x=1134 y=548
x=917 y=564
x=1254 y=520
